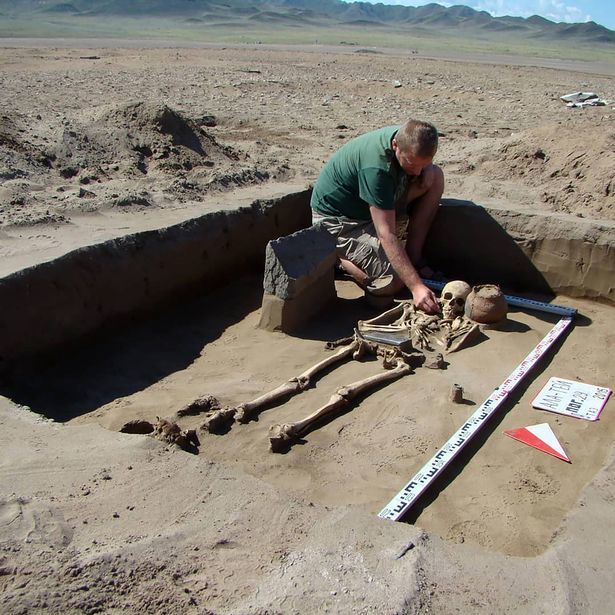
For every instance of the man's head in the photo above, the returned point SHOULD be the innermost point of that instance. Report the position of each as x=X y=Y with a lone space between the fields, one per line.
x=415 y=144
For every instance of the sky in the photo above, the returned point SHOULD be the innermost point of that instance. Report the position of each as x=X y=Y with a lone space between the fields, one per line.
x=571 y=11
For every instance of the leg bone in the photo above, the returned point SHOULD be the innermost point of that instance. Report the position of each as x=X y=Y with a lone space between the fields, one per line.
x=244 y=412
x=281 y=436
x=295 y=385
x=218 y=420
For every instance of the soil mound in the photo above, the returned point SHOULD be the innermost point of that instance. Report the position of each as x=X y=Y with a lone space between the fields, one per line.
x=130 y=156
x=23 y=166
x=138 y=138
x=571 y=170
x=20 y=157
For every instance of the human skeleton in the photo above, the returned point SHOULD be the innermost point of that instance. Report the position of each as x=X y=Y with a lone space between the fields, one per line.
x=403 y=337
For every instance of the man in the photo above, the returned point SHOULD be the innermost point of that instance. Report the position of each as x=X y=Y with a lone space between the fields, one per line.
x=362 y=192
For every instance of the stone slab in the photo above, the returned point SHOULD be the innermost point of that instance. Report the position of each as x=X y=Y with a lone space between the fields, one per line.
x=299 y=279
x=292 y=263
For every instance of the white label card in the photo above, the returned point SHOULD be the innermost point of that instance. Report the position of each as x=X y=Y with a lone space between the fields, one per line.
x=577 y=399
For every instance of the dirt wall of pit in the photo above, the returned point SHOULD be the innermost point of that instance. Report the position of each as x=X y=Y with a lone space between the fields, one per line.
x=524 y=252
x=61 y=301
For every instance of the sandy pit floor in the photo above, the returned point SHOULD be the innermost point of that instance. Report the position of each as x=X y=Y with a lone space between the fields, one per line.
x=505 y=497
x=100 y=142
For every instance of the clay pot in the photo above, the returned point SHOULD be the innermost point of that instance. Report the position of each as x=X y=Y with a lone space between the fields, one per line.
x=486 y=304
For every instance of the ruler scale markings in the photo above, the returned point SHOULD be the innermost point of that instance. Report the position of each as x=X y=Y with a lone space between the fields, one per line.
x=399 y=505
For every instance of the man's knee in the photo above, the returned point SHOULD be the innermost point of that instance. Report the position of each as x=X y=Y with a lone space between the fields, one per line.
x=434 y=178
x=431 y=186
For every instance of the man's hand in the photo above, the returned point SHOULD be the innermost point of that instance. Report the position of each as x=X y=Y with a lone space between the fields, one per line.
x=424 y=299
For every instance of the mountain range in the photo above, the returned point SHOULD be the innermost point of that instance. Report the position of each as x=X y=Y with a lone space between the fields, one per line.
x=319 y=13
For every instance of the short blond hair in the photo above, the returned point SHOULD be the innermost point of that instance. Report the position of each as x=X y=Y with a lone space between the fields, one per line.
x=418 y=138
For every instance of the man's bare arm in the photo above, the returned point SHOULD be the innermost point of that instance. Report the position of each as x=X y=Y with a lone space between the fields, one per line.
x=384 y=222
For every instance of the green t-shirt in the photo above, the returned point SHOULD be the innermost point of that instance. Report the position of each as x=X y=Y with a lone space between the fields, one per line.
x=361 y=173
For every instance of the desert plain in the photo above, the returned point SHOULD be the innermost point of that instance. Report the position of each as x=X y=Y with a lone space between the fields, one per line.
x=100 y=139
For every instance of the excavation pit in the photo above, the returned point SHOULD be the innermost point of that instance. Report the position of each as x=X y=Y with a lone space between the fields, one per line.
x=145 y=363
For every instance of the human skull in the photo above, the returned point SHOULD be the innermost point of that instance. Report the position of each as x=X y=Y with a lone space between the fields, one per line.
x=453 y=298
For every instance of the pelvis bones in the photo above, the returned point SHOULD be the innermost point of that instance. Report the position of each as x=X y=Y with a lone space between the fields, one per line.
x=403 y=337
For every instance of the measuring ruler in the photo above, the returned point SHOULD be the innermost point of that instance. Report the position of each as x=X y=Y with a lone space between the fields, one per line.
x=402 y=502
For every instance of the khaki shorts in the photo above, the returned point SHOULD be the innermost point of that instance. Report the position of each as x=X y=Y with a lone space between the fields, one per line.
x=358 y=242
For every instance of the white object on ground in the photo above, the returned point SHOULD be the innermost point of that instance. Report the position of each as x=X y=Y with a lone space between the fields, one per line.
x=583 y=99
x=570 y=398
x=540 y=437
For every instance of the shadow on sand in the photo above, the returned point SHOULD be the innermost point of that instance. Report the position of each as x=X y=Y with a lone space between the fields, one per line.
x=467 y=243
x=127 y=358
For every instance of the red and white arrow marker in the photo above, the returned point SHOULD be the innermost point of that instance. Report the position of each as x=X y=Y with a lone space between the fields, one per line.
x=540 y=437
